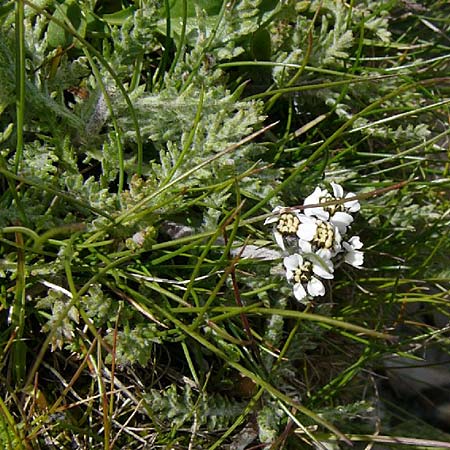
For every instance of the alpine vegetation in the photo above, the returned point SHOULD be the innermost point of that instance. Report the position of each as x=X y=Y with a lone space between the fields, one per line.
x=316 y=239
x=142 y=146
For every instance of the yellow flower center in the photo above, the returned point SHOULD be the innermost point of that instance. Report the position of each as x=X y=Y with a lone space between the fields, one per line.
x=288 y=223
x=332 y=209
x=302 y=274
x=324 y=237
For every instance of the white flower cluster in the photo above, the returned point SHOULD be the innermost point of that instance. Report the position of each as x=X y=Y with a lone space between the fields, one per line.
x=317 y=239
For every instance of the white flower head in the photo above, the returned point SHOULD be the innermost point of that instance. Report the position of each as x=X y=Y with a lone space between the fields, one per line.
x=318 y=196
x=318 y=236
x=305 y=271
x=286 y=225
x=351 y=206
x=353 y=255
x=339 y=215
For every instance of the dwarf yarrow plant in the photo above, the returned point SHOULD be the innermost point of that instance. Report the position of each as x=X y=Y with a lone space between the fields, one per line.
x=316 y=240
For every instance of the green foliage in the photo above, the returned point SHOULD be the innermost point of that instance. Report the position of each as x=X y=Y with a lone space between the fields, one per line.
x=56 y=35
x=133 y=200
x=269 y=419
x=135 y=345
x=63 y=333
x=177 y=409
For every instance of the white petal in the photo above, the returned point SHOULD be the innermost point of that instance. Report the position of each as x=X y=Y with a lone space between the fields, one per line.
x=353 y=205
x=315 y=287
x=279 y=239
x=305 y=246
x=299 y=291
x=255 y=252
x=307 y=231
x=322 y=273
x=355 y=242
x=355 y=258
x=323 y=269
x=324 y=255
x=292 y=262
x=271 y=219
x=275 y=215
x=318 y=212
x=337 y=190
x=341 y=220
x=337 y=236
x=306 y=219
x=314 y=197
